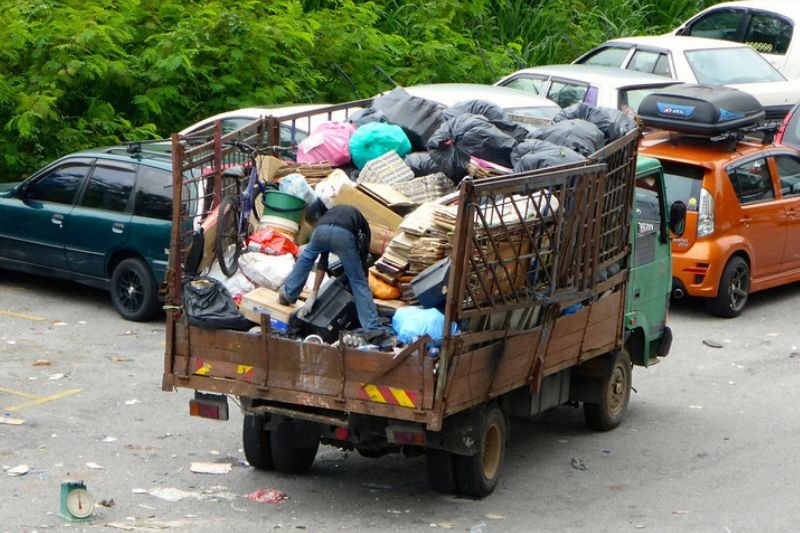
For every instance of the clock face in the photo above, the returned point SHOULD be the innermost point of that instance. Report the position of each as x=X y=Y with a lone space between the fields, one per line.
x=79 y=503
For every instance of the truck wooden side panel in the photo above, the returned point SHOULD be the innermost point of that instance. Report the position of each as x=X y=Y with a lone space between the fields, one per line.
x=304 y=374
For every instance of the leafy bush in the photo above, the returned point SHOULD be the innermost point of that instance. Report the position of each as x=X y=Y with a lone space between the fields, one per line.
x=82 y=73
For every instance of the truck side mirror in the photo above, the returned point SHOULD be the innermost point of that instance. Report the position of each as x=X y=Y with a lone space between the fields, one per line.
x=677 y=218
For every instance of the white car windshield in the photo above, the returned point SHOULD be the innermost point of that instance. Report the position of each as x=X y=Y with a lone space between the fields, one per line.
x=723 y=66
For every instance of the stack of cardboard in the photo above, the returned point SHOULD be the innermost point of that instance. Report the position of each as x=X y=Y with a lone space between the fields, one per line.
x=425 y=252
x=394 y=261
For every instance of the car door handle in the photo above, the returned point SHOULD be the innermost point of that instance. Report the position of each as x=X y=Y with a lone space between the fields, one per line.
x=58 y=220
x=746 y=220
x=118 y=227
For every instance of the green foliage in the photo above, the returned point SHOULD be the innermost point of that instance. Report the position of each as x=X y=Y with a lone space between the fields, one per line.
x=82 y=73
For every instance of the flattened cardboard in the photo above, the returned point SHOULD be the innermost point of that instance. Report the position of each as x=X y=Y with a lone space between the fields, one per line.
x=373 y=211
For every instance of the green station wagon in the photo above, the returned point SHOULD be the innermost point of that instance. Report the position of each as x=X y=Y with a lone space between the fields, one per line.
x=100 y=217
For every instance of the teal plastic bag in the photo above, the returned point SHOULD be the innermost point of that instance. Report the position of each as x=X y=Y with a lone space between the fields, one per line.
x=375 y=139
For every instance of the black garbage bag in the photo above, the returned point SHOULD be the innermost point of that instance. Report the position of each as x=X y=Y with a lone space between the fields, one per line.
x=612 y=122
x=421 y=163
x=492 y=112
x=464 y=136
x=365 y=116
x=487 y=109
x=418 y=117
x=577 y=134
x=534 y=154
x=209 y=305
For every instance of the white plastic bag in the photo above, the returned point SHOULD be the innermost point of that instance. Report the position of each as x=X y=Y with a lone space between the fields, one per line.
x=328 y=189
x=238 y=284
x=264 y=270
x=296 y=185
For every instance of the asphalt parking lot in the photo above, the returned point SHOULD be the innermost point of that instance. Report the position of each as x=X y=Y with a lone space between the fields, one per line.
x=708 y=444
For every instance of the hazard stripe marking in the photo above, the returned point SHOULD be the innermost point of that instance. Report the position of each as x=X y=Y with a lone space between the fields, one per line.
x=390 y=395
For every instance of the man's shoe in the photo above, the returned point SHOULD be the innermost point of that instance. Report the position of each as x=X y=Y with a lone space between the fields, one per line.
x=283 y=299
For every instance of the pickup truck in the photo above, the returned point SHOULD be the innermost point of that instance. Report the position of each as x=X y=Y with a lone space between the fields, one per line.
x=559 y=284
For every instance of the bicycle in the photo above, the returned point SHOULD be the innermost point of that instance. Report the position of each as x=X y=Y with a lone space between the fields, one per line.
x=235 y=209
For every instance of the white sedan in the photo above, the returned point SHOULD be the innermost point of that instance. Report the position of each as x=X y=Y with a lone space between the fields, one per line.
x=700 y=60
x=596 y=86
x=766 y=25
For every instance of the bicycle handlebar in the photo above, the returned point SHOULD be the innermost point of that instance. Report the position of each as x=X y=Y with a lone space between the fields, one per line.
x=252 y=150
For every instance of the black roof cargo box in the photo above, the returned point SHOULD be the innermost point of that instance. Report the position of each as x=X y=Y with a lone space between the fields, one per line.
x=700 y=109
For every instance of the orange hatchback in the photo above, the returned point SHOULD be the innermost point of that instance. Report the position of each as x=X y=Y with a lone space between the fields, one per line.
x=743 y=219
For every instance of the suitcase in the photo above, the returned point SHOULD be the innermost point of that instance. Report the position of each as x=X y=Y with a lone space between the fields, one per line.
x=430 y=285
x=700 y=109
x=334 y=311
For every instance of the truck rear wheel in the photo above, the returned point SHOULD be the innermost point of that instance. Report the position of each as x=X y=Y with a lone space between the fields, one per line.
x=294 y=446
x=256 y=441
x=615 y=391
x=477 y=475
x=440 y=468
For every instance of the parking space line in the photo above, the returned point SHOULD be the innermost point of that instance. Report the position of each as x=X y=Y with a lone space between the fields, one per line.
x=22 y=315
x=20 y=393
x=43 y=399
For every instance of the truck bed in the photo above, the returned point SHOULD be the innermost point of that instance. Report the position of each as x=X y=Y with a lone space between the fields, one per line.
x=537 y=286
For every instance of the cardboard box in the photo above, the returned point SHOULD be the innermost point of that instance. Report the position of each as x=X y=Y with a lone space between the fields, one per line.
x=373 y=211
x=265 y=301
x=388 y=196
x=380 y=238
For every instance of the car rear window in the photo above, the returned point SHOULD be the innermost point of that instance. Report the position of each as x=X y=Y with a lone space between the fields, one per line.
x=714 y=66
x=153 y=193
x=683 y=183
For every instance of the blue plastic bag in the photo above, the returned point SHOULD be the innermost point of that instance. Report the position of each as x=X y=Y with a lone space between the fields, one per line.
x=410 y=323
x=375 y=139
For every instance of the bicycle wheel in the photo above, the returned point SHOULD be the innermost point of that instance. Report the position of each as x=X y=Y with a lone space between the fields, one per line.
x=227 y=241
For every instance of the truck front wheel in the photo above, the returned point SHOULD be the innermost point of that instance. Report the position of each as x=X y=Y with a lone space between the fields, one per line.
x=294 y=446
x=615 y=391
x=477 y=475
x=256 y=441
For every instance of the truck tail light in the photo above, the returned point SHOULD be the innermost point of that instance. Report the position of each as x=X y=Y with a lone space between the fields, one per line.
x=405 y=435
x=213 y=406
x=705 y=214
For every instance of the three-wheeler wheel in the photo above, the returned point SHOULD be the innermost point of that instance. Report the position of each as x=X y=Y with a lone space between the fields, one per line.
x=615 y=391
x=257 y=442
x=290 y=447
x=472 y=475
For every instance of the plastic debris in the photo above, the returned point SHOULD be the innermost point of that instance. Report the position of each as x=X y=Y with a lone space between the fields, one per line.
x=54 y=377
x=132 y=402
x=480 y=527
x=94 y=466
x=11 y=421
x=492 y=516
x=42 y=362
x=578 y=464
x=267 y=496
x=211 y=468
x=712 y=343
x=19 y=470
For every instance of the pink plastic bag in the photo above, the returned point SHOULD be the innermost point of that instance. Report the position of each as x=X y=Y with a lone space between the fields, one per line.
x=329 y=142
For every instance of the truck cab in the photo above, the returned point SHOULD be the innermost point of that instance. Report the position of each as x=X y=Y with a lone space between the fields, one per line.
x=647 y=300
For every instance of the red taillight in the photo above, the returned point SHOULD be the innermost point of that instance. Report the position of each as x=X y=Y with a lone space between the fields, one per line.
x=213 y=406
x=341 y=433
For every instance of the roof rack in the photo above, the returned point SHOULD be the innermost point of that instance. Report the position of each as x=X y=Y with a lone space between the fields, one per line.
x=768 y=130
